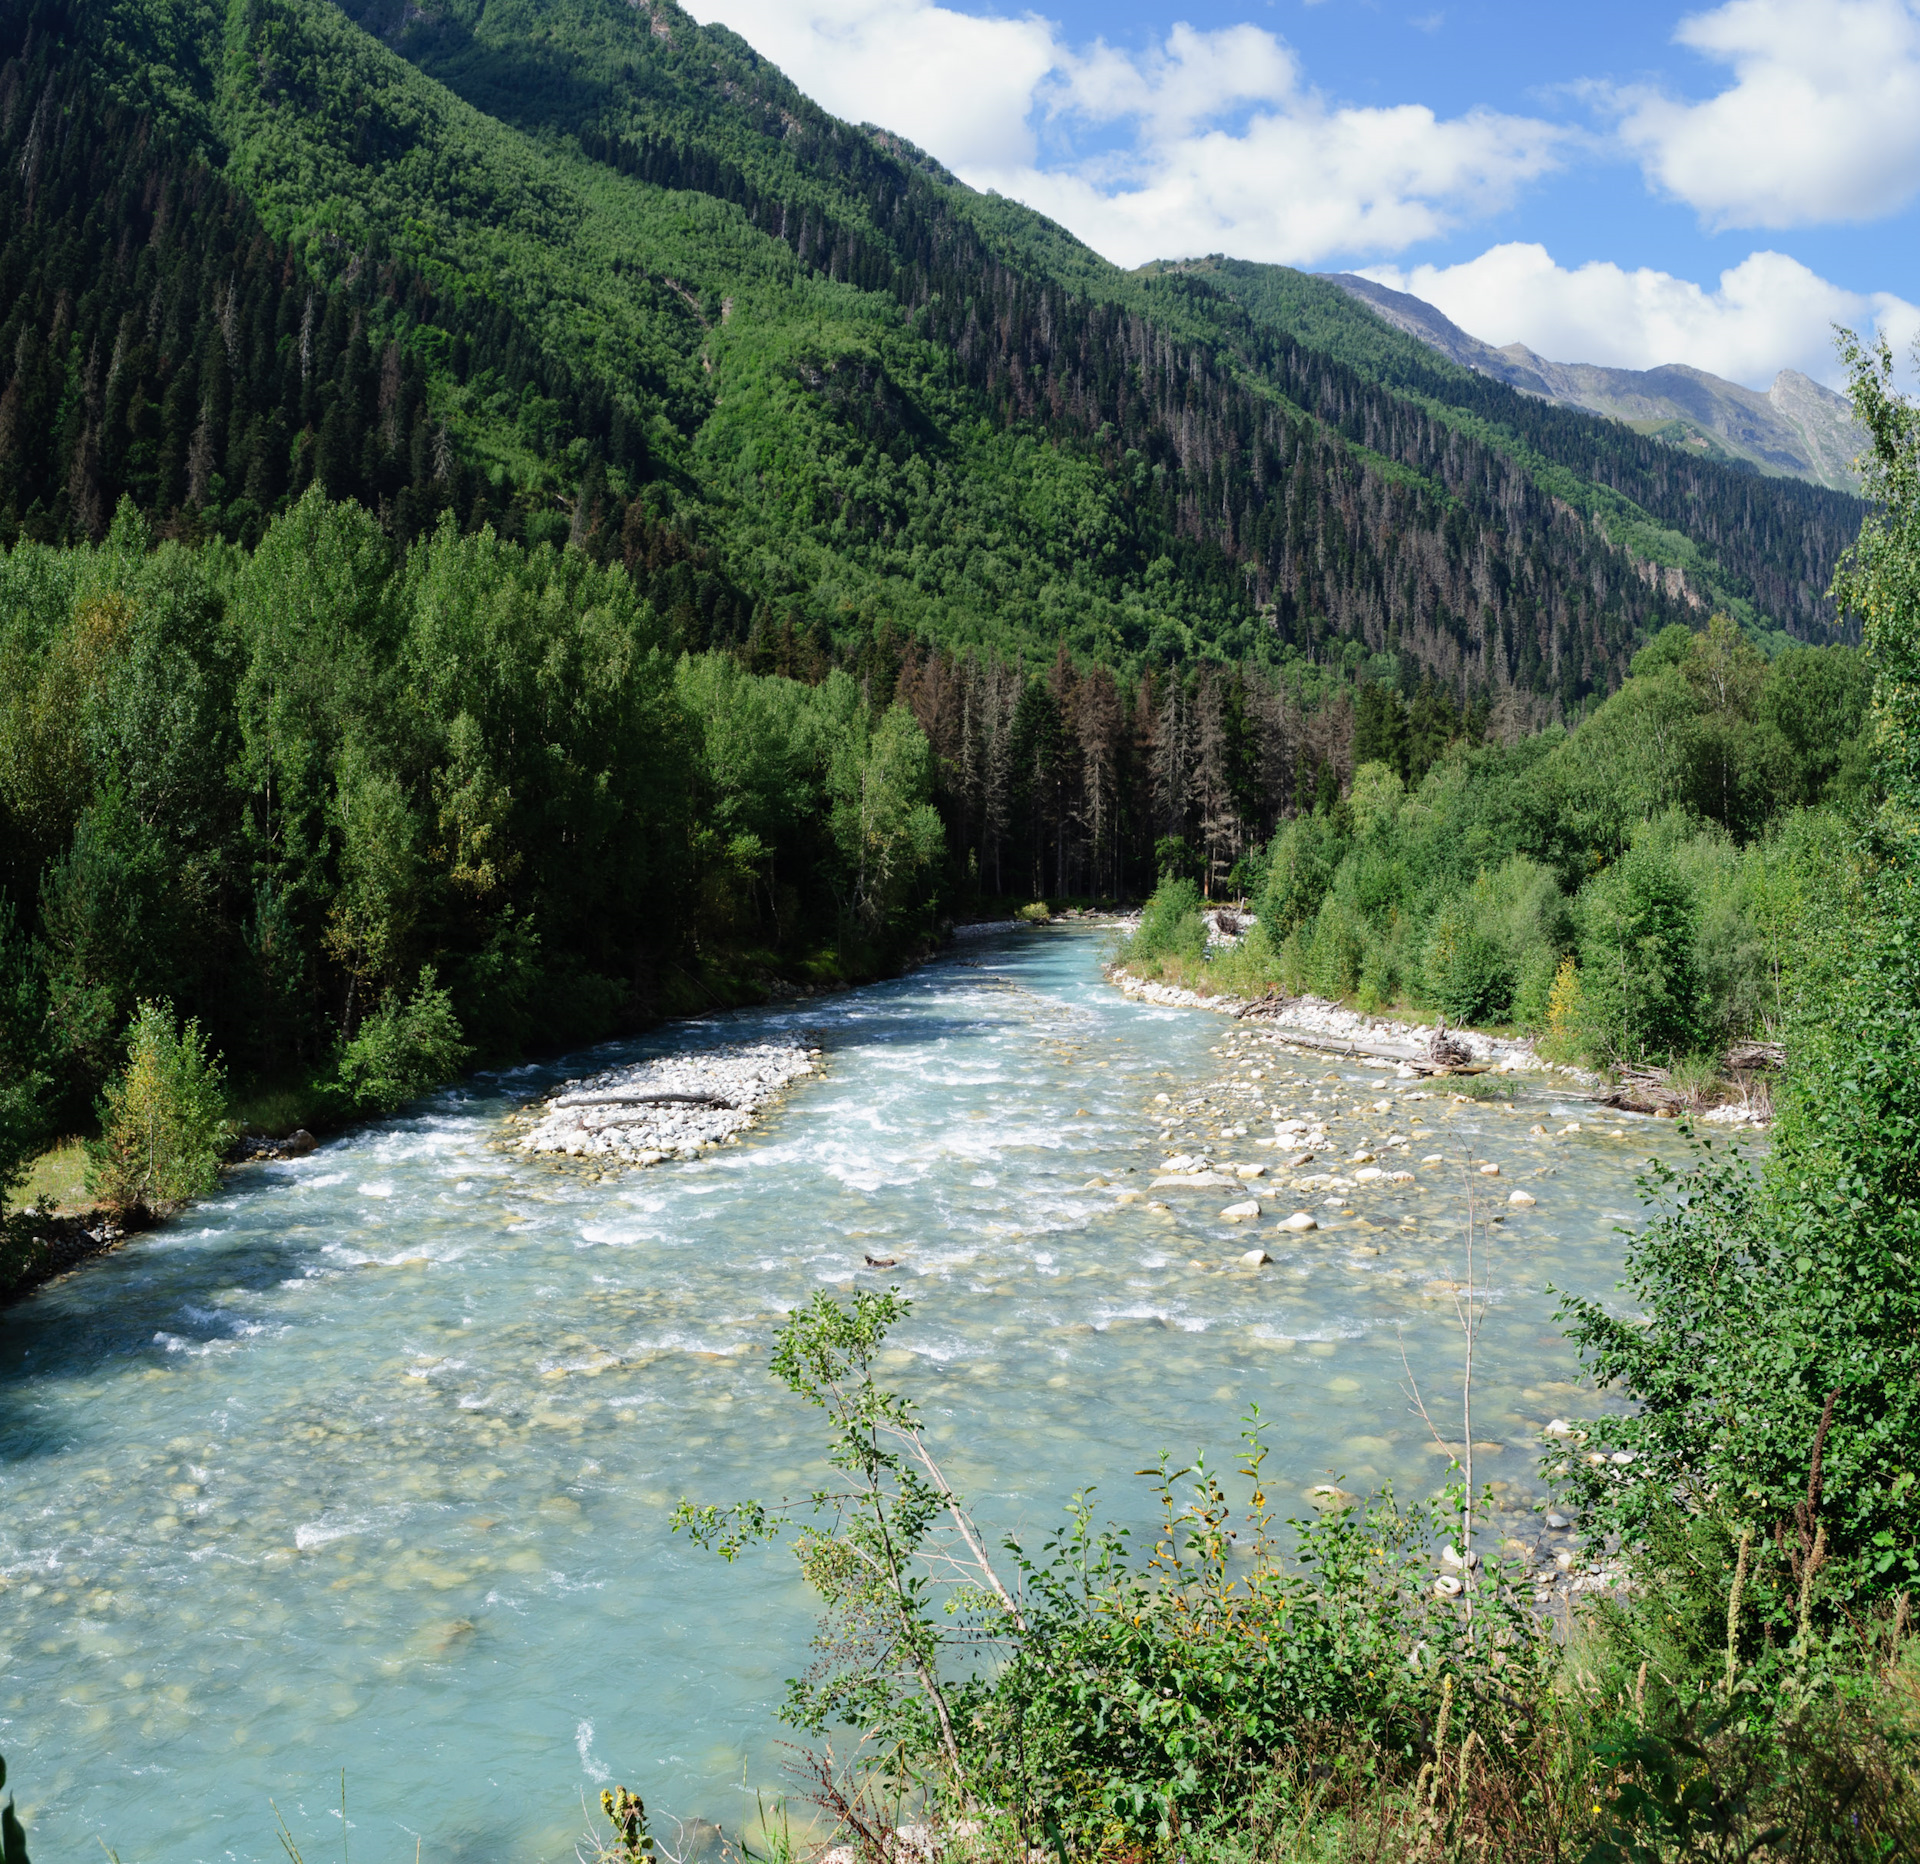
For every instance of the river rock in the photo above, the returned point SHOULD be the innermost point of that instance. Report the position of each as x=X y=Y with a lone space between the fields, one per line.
x=1254 y=1259
x=1241 y=1213
x=1368 y=1174
x=1195 y=1181
x=1447 y=1587
x=1489 y=1171
x=1523 y=1200
x=1300 y=1222
x=1250 y=1171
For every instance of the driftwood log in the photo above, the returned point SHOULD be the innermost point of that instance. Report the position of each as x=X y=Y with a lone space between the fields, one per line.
x=636 y=1097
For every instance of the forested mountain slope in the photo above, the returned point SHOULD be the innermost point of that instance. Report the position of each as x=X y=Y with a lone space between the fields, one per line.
x=587 y=270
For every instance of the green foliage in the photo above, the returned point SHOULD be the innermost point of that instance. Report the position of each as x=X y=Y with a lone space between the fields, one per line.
x=291 y=777
x=24 y=1082
x=879 y=785
x=1638 y=958
x=162 y=1118
x=1112 y=1698
x=400 y=1051
x=1681 y=839
x=1776 y=1369
x=1171 y=925
x=1305 y=856
x=609 y=278
x=1469 y=976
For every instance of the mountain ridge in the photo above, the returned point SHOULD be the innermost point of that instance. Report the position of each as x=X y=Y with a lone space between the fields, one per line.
x=675 y=312
x=1798 y=428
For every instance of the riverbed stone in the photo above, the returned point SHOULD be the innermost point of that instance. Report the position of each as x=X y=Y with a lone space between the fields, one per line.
x=1523 y=1200
x=1301 y=1222
x=1241 y=1213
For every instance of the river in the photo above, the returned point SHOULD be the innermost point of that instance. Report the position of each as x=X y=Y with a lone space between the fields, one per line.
x=366 y=1463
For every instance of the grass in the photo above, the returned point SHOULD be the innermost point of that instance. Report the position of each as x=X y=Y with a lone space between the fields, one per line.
x=59 y=1175
x=274 y=1108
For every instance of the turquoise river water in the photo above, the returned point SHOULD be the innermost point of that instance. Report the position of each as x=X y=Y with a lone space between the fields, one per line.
x=366 y=1463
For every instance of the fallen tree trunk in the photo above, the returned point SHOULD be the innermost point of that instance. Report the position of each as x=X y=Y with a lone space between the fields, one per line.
x=637 y=1098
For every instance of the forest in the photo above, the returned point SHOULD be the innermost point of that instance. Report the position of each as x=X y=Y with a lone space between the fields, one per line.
x=1631 y=891
x=518 y=522
x=834 y=390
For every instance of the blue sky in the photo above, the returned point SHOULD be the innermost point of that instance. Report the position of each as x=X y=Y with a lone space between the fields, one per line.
x=1631 y=184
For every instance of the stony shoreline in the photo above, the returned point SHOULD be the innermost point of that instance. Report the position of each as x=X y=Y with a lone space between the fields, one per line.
x=44 y=1245
x=672 y=1107
x=1377 y=1035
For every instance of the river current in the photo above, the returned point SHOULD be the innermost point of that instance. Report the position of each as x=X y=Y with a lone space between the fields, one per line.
x=366 y=1463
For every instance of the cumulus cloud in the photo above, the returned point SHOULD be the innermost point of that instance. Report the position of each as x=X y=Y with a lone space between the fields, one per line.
x=960 y=86
x=1209 y=141
x=1821 y=122
x=1769 y=312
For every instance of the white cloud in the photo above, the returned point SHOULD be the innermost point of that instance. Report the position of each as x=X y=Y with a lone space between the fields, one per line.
x=1821 y=122
x=1212 y=141
x=961 y=87
x=1769 y=312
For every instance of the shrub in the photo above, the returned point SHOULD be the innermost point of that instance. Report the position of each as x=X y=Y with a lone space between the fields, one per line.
x=162 y=1118
x=1638 y=959
x=1170 y=924
x=401 y=1052
x=1564 y=1010
x=1300 y=869
x=24 y=1082
x=1335 y=946
x=1469 y=975
x=1115 y=1703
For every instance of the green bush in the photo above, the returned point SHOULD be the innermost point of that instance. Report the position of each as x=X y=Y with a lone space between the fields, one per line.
x=1300 y=868
x=400 y=1052
x=1335 y=946
x=1171 y=925
x=1773 y=1362
x=1133 y=1701
x=1639 y=959
x=1470 y=978
x=162 y=1118
x=24 y=1083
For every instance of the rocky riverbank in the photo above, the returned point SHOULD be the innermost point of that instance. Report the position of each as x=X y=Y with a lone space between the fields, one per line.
x=673 y=1107
x=37 y=1246
x=1374 y=1036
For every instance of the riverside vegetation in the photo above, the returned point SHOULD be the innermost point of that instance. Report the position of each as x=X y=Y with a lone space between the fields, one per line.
x=518 y=523
x=1751 y=1691
x=1633 y=891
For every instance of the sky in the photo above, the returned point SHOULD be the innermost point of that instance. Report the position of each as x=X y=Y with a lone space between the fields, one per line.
x=1632 y=183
